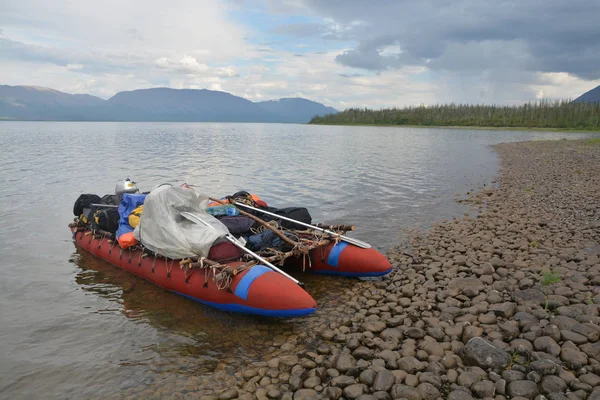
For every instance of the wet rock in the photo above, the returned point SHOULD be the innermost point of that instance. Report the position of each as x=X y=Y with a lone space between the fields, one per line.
x=484 y=354
x=344 y=362
x=526 y=389
x=374 y=326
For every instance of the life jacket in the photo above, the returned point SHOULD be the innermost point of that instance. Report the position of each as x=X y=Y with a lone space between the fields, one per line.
x=134 y=216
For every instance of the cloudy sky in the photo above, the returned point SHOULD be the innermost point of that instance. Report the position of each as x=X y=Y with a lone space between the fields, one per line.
x=342 y=53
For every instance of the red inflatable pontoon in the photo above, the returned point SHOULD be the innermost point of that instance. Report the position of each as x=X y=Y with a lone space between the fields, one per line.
x=257 y=290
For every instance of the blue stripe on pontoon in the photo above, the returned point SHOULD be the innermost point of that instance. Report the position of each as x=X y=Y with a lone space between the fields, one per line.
x=243 y=287
x=353 y=274
x=334 y=254
x=240 y=308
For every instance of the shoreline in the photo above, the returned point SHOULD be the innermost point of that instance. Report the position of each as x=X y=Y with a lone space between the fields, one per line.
x=491 y=128
x=501 y=305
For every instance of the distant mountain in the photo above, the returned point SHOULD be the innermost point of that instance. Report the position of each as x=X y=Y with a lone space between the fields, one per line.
x=33 y=102
x=163 y=104
x=296 y=109
x=592 y=96
x=158 y=104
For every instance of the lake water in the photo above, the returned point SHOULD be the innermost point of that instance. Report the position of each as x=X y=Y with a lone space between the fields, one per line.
x=72 y=326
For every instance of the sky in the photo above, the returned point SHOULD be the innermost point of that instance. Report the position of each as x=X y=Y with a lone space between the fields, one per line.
x=350 y=53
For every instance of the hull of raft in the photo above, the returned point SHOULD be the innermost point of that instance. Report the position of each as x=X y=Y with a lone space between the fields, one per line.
x=257 y=290
x=346 y=259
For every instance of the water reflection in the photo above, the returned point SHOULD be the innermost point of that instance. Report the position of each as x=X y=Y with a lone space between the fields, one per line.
x=198 y=336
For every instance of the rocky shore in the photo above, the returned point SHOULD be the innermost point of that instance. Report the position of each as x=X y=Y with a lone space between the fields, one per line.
x=502 y=305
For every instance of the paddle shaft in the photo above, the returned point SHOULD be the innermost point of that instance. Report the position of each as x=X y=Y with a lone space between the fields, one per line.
x=350 y=240
x=190 y=216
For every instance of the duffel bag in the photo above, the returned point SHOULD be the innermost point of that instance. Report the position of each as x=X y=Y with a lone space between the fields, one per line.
x=107 y=219
x=84 y=201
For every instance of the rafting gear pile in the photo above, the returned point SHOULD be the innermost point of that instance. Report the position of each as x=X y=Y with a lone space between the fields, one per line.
x=237 y=246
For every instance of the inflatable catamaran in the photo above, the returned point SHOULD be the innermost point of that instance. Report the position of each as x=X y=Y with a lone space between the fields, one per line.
x=230 y=253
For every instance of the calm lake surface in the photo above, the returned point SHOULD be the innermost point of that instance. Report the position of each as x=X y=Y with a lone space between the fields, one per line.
x=72 y=326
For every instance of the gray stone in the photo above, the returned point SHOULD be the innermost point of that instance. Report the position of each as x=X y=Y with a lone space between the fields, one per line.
x=415 y=333
x=404 y=392
x=573 y=337
x=362 y=352
x=311 y=382
x=430 y=377
x=305 y=394
x=368 y=397
x=374 y=326
x=229 y=394
x=525 y=389
x=574 y=358
x=410 y=364
x=354 y=391
x=544 y=367
x=511 y=375
x=483 y=389
x=427 y=391
x=552 y=384
x=484 y=354
x=468 y=378
x=333 y=393
x=592 y=333
x=381 y=396
x=342 y=381
x=534 y=376
x=344 y=362
x=528 y=297
x=368 y=377
x=459 y=395
x=591 y=379
x=557 y=396
x=592 y=350
x=504 y=310
x=383 y=380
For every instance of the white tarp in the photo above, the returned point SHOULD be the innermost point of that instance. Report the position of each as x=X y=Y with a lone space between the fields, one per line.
x=165 y=231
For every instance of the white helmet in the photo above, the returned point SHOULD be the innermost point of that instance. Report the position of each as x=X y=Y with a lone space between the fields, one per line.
x=127 y=186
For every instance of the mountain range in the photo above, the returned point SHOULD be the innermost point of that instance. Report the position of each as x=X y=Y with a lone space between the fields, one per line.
x=157 y=104
x=591 y=96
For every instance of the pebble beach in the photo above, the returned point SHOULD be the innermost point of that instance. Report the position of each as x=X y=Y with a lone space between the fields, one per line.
x=503 y=305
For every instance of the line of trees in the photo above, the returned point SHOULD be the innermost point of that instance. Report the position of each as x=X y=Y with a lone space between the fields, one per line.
x=542 y=114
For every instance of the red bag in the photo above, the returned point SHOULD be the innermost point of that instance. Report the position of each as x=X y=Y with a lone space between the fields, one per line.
x=224 y=252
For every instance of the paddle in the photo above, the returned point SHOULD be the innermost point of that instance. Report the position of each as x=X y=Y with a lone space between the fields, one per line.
x=191 y=217
x=347 y=239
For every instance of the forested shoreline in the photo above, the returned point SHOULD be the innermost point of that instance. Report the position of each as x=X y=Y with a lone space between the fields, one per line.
x=561 y=114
